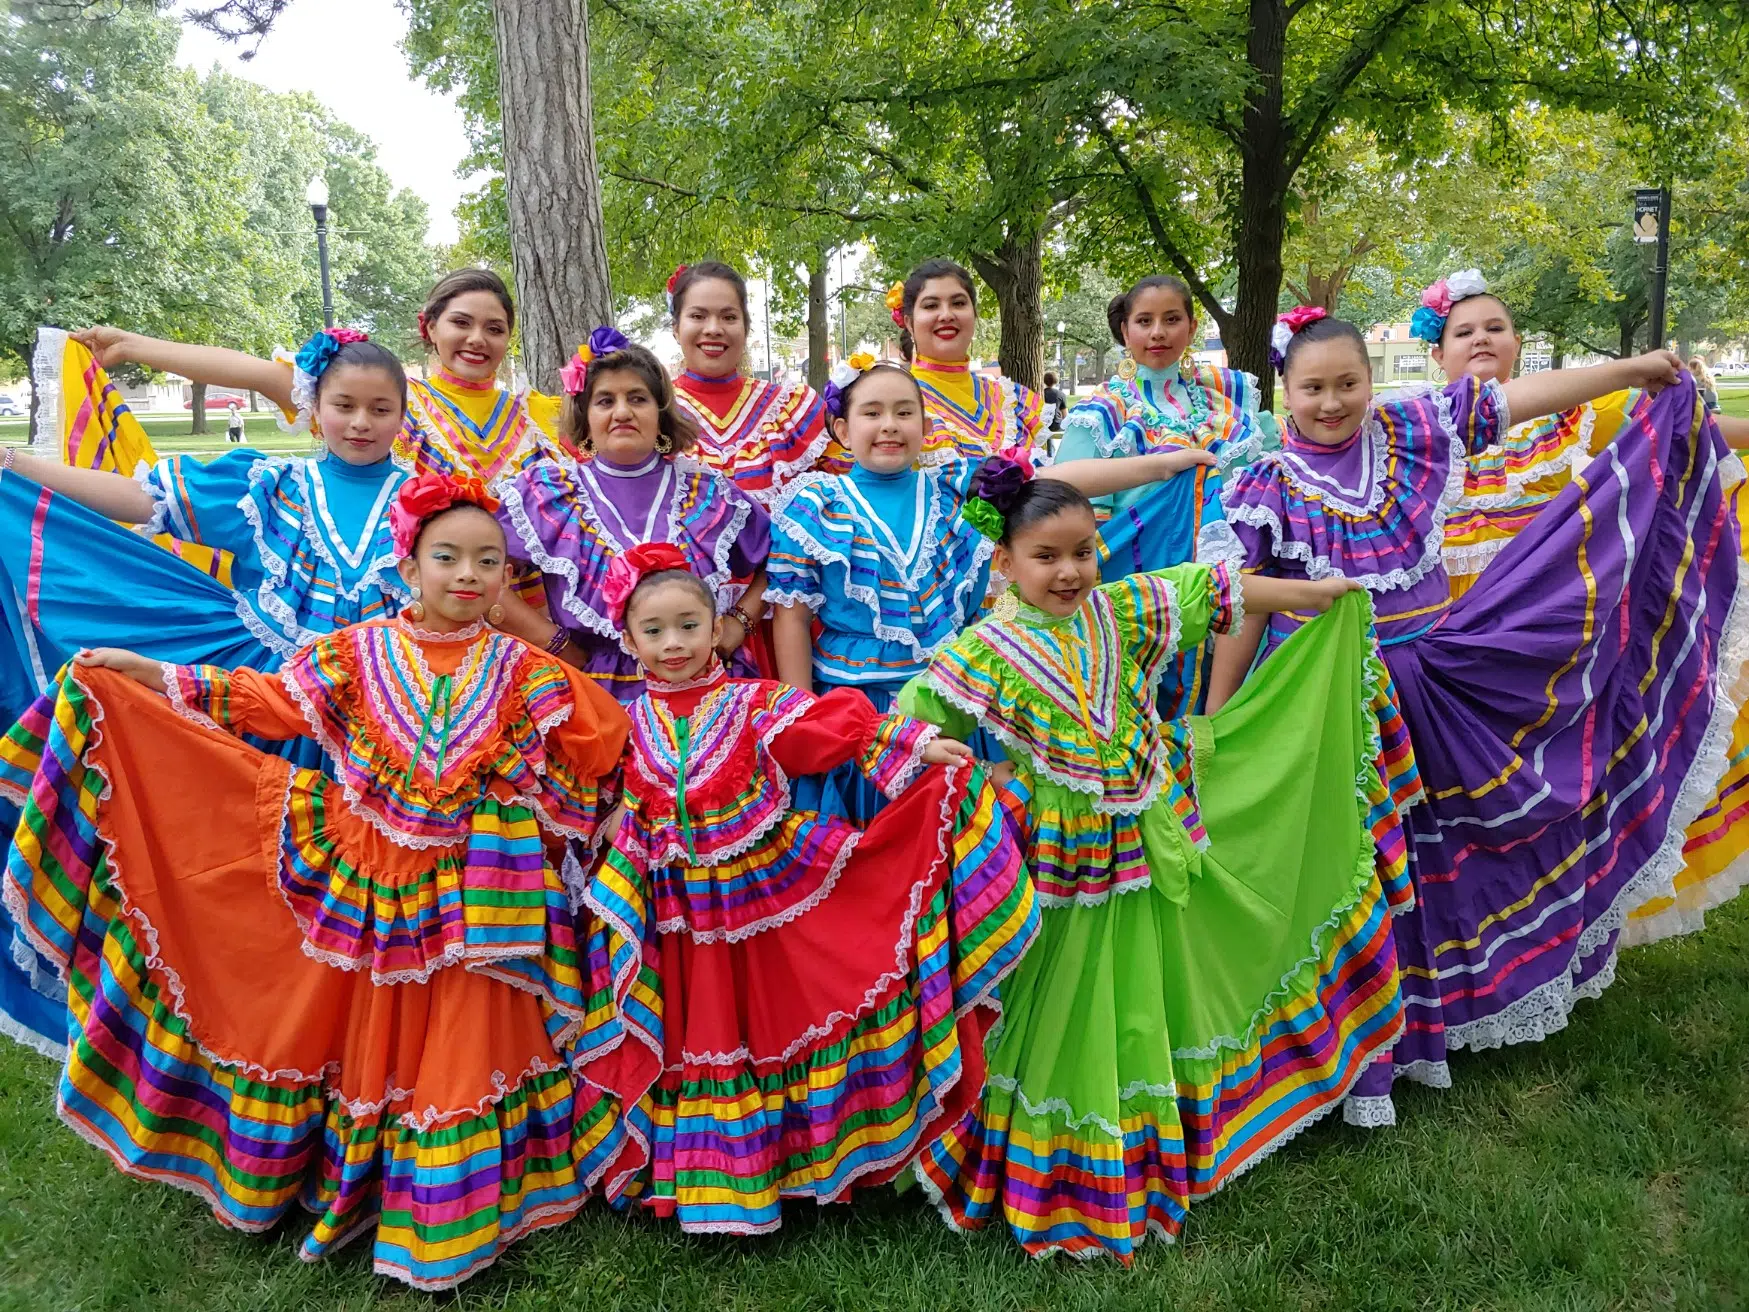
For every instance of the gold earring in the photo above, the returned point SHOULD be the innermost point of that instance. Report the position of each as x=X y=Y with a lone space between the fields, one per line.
x=664 y=444
x=494 y=615
x=1126 y=367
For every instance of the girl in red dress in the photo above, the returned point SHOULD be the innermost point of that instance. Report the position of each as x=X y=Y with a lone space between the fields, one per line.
x=782 y=1005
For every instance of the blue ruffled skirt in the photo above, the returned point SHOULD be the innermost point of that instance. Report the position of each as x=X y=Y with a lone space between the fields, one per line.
x=70 y=579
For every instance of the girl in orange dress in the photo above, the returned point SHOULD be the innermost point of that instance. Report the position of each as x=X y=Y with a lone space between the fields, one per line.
x=358 y=993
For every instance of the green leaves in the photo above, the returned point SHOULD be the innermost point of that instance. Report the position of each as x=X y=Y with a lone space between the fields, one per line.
x=136 y=192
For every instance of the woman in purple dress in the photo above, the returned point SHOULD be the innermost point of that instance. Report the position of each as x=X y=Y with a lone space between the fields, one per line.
x=635 y=483
x=1565 y=714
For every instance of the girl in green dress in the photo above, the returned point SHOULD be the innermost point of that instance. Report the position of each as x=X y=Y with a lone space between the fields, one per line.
x=1216 y=967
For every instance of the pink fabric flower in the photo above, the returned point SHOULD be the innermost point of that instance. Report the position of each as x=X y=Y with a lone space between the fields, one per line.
x=625 y=571
x=1438 y=298
x=1301 y=315
x=346 y=335
x=575 y=375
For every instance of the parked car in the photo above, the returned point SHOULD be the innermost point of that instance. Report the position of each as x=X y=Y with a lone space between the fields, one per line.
x=9 y=406
x=219 y=400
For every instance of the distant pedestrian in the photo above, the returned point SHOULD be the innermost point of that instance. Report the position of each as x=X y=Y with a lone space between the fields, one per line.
x=1054 y=405
x=1703 y=379
x=234 y=424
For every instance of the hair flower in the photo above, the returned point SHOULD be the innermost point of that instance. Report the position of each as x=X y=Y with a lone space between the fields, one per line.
x=672 y=279
x=896 y=302
x=1286 y=325
x=996 y=486
x=425 y=495
x=1428 y=321
x=842 y=376
x=626 y=570
x=312 y=361
x=574 y=377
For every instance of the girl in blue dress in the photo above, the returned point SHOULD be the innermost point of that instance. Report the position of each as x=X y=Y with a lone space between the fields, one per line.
x=308 y=536
x=882 y=561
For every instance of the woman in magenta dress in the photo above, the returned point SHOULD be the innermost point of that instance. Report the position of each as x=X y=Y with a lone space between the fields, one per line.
x=756 y=433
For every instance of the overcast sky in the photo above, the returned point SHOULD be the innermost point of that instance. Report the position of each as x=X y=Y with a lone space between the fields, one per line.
x=348 y=52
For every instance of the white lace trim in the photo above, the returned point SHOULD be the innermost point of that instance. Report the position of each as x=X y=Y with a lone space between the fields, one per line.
x=1217 y=544
x=45 y=379
x=1535 y=1016
x=1572 y=460
x=179 y=704
x=1369 y=1113
x=795 y=911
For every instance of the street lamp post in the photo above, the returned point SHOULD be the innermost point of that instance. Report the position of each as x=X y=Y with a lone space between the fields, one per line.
x=770 y=366
x=317 y=195
x=1061 y=329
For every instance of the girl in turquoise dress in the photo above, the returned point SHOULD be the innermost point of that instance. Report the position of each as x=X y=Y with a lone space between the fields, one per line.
x=881 y=561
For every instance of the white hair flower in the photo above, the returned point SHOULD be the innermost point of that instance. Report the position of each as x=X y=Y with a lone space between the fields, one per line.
x=1468 y=283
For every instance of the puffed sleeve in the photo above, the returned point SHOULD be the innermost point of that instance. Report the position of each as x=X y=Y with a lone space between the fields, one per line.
x=583 y=734
x=242 y=700
x=1478 y=411
x=1171 y=610
x=922 y=701
x=752 y=546
x=198 y=501
x=825 y=732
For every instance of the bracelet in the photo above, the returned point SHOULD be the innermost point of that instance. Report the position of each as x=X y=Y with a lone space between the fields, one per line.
x=741 y=617
x=7 y=459
x=556 y=643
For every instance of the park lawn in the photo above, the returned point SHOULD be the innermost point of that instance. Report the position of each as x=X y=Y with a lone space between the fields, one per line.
x=169 y=433
x=1605 y=1168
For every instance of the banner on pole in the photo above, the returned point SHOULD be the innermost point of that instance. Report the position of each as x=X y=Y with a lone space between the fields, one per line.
x=1648 y=202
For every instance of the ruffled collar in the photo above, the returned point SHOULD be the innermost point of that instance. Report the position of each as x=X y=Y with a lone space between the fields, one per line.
x=683 y=697
x=445 y=381
x=929 y=364
x=613 y=469
x=1293 y=440
x=695 y=381
x=1009 y=607
x=375 y=472
x=466 y=634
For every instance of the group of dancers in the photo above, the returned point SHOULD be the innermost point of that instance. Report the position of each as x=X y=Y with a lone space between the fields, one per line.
x=705 y=792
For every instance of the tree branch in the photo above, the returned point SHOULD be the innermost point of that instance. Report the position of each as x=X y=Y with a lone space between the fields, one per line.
x=1157 y=228
x=785 y=207
x=1324 y=97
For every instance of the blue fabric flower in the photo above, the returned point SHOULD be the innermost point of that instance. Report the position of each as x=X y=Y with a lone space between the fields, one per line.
x=315 y=354
x=1427 y=324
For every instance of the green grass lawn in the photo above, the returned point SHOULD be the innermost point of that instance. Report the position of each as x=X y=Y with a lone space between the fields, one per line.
x=1605 y=1168
x=169 y=433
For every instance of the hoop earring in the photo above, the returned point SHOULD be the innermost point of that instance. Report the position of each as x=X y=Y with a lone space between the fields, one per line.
x=664 y=444
x=416 y=612
x=495 y=615
x=1126 y=367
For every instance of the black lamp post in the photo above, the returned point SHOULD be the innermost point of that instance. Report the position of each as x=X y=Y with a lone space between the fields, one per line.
x=317 y=195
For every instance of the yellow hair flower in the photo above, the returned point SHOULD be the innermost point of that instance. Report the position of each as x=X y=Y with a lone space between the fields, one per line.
x=861 y=360
x=896 y=296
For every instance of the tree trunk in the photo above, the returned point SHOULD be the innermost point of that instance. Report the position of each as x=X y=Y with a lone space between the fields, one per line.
x=1263 y=183
x=819 y=324
x=1016 y=273
x=551 y=187
x=1628 y=327
x=197 y=415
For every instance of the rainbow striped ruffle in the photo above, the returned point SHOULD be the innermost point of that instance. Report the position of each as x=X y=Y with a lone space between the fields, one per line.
x=443 y=1188
x=718 y=1138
